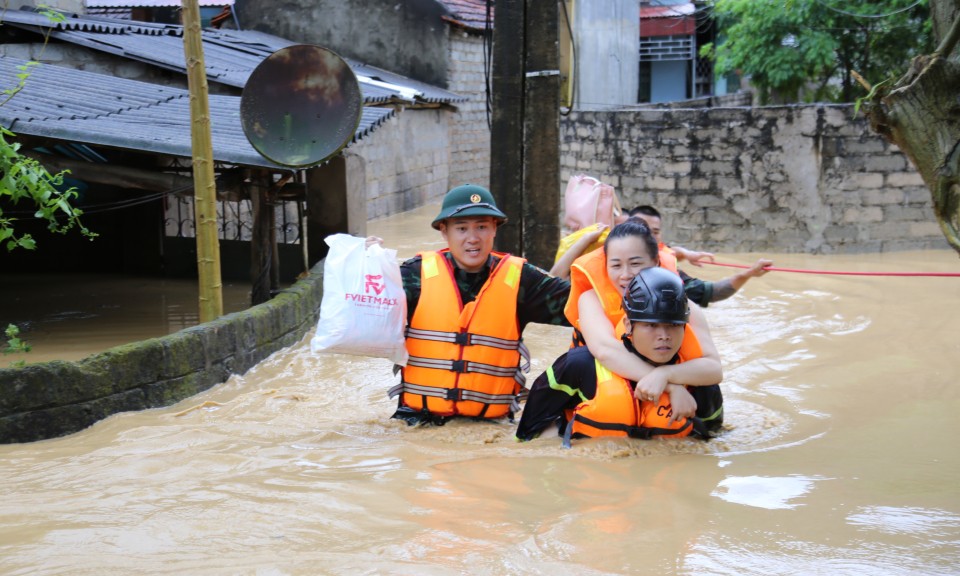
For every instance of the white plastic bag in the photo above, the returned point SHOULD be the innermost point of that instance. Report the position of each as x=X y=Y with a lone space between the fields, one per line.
x=364 y=308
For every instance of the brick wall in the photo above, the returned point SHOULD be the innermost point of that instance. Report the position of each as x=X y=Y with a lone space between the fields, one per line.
x=407 y=161
x=469 y=133
x=782 y=179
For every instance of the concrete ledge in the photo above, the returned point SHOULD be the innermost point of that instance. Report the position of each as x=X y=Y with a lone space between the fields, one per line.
x=56 y=398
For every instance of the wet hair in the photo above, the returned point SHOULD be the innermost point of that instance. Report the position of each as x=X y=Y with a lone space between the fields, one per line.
x=634 y=226
x=645 y=210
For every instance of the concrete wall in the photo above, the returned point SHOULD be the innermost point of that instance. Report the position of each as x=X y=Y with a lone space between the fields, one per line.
x=56 y=398
x=78 y=6
x=469 y=131
x=407 y=161
x=608 y=52
x=407 y=37
x=779 y=179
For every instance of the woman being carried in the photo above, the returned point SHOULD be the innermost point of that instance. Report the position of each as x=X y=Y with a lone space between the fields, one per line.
x=598 y=282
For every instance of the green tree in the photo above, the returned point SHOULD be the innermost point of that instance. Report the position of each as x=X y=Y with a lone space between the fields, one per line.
x=23 y=179
x=810 y=49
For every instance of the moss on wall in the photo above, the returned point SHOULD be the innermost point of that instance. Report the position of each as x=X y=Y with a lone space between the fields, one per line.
x=56 y=398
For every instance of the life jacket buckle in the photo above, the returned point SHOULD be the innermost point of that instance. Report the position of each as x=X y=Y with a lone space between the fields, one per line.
x=459 y=366
x=453 y=394
x=462 y=339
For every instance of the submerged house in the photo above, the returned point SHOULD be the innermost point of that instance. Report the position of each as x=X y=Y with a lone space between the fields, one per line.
x=109 y=102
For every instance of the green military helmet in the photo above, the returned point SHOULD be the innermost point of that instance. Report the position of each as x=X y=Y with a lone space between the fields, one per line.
x=468 y=200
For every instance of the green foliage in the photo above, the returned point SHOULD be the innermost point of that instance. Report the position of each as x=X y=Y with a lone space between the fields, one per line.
x=875 y=91
x=14 y=344
x=24 y=179
x=808 y=48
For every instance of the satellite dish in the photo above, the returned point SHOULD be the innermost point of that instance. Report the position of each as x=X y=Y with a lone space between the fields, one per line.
x=301 y=105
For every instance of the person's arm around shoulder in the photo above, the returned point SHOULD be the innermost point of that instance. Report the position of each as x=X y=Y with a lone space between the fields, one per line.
x=602 y=340
x=705 y=370
x=603 y=343
x=561 y=268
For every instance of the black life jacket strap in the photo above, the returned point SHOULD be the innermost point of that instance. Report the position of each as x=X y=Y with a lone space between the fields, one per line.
x=639 y=432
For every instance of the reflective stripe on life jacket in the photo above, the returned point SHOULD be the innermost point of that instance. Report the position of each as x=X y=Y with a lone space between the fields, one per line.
x=614 y=411
x=589 y=272
x=465 y=360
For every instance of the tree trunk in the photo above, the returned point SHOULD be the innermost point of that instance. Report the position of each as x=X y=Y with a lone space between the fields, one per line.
x=921 y=115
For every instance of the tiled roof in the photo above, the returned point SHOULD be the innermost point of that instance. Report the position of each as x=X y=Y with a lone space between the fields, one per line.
x=97 y=109
x=151 y=3
x=667 y=11
x=230 y=56
x=470 y=14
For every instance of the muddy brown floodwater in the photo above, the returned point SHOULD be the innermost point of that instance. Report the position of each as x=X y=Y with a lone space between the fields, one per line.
x=838 y=457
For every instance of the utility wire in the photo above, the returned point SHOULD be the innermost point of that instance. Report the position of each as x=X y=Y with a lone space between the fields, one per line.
x=117 y=205
x=855 y=15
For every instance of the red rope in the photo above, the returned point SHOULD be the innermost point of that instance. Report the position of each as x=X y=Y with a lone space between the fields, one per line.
x=803 y=271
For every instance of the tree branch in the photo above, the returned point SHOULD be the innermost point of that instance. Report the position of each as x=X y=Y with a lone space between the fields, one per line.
x=950 y=40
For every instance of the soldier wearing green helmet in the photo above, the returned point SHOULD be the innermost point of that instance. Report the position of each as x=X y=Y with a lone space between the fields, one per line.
x=468 y=200
x=479 y=301
x=467 y=307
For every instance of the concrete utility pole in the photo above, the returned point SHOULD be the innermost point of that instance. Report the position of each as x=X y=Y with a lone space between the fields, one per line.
x=525 y=137
x=204 y=186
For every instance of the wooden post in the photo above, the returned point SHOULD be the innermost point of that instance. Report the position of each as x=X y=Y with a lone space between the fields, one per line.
x=525 y=136
x=261 y=246
x=205 y=192
x=506 y=134
x=541 y=134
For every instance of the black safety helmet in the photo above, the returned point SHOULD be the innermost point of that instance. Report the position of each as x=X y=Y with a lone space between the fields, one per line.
x=656 y=295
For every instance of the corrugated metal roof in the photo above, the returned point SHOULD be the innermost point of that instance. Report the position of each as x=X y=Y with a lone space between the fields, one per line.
x=97 y=109
x=471 y=14
x=229 y=55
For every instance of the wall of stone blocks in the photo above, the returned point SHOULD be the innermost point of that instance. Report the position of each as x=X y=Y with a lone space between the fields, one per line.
x=809 y=178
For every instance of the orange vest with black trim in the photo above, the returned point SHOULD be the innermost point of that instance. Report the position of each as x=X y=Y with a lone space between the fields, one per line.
x=589 y=272
x=614 y=411
x=465 y=359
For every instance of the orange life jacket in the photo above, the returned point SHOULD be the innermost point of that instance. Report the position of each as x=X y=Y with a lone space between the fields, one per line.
x=668 y=258
x=465 y=359
x=614 y=411
x=589 y=272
